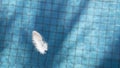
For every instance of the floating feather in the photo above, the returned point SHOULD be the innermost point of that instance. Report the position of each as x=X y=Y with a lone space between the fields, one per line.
x=39 y=43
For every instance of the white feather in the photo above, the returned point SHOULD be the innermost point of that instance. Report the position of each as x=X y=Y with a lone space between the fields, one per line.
x=39 y=43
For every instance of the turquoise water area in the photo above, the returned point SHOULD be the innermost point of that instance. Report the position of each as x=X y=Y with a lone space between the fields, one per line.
x=79 y=33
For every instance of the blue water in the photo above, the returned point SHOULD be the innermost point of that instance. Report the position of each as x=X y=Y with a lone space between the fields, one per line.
x=79 y=33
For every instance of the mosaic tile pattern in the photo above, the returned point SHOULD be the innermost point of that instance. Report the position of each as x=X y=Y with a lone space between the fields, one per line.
x=80 y=33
